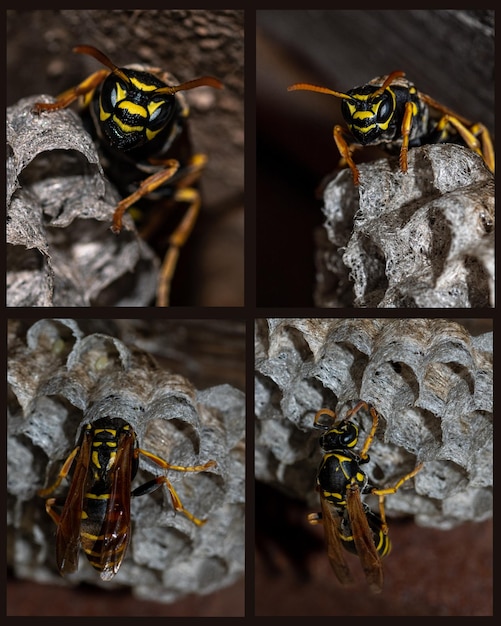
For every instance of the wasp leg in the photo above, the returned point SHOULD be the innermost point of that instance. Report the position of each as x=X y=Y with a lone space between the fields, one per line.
x=67 y=97
x=189 y=195
x=160 y=480
x=375 y=421
x=319 y=414
x=62 y=474
x=405 y=130
x=314 y=518
x=176 y=500
x=382 y=493
x=147 y=186
x=53 y=514
x=470 y=136
x=481 y=131
x=179 y=468
x=345 y=150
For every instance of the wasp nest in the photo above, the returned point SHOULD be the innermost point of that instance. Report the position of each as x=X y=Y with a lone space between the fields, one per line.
x=420 y=239
x=429 y=380
x=60 y=379
x=61 y=251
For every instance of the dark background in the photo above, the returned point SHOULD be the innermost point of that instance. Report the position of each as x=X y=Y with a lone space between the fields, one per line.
x=448 y=55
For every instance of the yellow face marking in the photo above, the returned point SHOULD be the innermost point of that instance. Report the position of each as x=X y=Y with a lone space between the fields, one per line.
x=121 y=93
x=133 y=109
x=153 y=106
x=142 y=86
x=150 y=134
x=127 y=128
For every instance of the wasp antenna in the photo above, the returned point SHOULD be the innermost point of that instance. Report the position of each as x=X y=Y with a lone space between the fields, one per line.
x=203 y=81
x=308 y=87
x=389 y=79
x=102 y=58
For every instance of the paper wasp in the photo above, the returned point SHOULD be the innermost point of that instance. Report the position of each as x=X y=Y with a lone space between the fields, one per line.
x=138 y=118
x=348 y=522
x=96 y=511
x=390 y=111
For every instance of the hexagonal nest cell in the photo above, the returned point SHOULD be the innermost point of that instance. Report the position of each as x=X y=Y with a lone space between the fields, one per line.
x=59 y=379
x=430 y=381
x=424 y=238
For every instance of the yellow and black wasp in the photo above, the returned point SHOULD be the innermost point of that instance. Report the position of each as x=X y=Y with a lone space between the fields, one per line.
x=348 y=522
x=96 y=511
x=138 y=117
x=390 y=111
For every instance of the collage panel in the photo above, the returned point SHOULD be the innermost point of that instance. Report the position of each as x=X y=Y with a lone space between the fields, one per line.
x=126 y=467
x=125 y=158
x=375 y=159
x=374 y=466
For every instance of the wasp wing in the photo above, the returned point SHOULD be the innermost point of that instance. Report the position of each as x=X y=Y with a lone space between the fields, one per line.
x=335 y=551
x=363 y=538
x=116 y=525
x=68 y=529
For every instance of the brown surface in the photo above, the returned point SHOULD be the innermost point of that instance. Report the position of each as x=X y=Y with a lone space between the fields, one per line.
x=429 y=572
x=91 y=601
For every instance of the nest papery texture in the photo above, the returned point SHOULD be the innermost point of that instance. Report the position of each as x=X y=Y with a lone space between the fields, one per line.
x=420 y=239
x=61 y=251
x=60 y=379
x=429 y=380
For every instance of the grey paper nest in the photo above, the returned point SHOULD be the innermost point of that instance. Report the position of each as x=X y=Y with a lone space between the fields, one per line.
x=429 y=380
x=420 y=239
x=61 y=251
x=59 y=379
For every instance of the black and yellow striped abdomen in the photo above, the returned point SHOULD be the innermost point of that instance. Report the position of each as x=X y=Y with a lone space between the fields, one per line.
x=98 y=516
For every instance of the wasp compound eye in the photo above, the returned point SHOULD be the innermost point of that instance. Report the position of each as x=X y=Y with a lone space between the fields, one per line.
x=384 y=109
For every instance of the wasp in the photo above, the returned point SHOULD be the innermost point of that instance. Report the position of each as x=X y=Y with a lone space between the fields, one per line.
x=348 y=522
x=95 y=513
x=390 y=111
x=138 y=117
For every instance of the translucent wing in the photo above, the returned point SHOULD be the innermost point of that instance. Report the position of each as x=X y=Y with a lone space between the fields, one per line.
x=68 y=529
x=363 y=539
x=335 y=551
x=116 y=524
